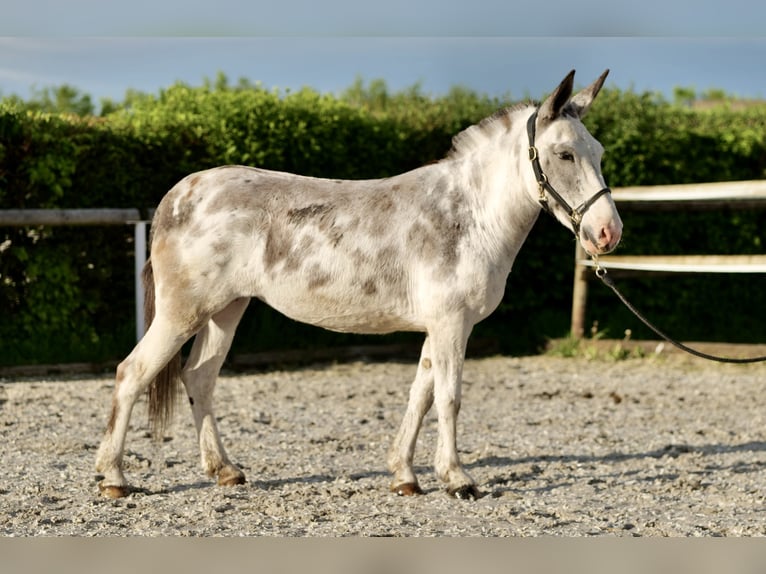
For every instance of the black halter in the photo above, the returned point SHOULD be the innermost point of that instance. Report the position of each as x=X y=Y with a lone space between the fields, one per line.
x=576 y=214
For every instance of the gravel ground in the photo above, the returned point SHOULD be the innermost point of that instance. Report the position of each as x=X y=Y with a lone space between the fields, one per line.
x=658 y=446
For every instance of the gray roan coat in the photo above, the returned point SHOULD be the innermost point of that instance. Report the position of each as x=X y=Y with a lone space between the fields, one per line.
x=428 y=250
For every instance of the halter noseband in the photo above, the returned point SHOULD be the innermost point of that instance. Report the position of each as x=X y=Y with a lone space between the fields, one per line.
x=575 y=214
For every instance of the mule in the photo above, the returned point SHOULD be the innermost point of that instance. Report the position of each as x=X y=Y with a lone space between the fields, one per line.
x=428 y=250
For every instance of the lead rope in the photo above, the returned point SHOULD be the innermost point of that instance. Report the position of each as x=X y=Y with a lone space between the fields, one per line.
x=607 y=280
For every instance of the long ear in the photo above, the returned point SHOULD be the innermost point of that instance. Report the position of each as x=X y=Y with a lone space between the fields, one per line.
x=583 y=99
x=552 y=106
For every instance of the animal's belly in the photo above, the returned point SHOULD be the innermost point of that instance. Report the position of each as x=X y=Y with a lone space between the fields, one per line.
x=346 y=316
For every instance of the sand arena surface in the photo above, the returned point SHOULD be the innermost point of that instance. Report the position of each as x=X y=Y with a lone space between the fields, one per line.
x=638 y=447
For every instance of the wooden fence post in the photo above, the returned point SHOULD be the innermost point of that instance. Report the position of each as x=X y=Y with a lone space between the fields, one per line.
x=579 y=293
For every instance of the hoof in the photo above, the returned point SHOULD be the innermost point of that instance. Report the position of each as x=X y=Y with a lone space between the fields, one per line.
x=230 y=476
x=112 y=491
x=406 y=489
x=467 y=492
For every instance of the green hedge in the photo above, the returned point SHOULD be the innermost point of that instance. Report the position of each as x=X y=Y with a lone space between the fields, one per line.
x=651 y=142
x=67 y=293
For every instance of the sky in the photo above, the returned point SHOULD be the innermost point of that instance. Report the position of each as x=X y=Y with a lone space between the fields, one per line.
x=496 y=47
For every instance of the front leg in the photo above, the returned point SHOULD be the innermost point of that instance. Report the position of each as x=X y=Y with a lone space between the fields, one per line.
x=448 y=343
x=402 y=451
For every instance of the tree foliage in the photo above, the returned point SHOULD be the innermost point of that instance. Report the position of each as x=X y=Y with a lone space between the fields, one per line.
x=67 y=293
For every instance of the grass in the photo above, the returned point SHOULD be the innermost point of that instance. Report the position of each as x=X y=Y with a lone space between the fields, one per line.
x=586 y=347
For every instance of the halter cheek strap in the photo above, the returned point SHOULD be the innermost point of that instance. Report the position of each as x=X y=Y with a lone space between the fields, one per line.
x=575 y=214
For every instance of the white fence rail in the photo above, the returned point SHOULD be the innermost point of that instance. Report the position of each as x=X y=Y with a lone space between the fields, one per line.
x=698 y=196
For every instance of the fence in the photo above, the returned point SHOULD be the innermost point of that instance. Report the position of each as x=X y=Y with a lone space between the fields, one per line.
x=25 y=217
x=736 y=194
x=739 y=194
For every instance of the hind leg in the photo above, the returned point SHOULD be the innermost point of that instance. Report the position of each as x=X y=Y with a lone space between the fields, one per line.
x=199 y=376
x=160 y=344
x=402 y=450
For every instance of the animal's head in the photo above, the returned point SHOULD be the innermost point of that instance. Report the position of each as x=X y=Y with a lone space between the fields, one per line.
x=566 y=161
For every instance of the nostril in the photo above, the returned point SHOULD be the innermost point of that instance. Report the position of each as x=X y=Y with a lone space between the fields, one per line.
x=609 y=236
x=605 y=237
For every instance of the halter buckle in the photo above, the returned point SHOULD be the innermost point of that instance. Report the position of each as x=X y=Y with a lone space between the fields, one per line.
x=532 y=153
x=542 y=199
x=542 y=183
x=576 y=218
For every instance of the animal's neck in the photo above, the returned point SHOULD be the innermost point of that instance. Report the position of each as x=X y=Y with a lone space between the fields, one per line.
x=499 y=175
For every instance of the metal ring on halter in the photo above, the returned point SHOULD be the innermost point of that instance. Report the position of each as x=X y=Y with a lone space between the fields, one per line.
x=600 y=271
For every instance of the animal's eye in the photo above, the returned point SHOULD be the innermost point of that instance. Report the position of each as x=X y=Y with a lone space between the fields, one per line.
x=566 y=156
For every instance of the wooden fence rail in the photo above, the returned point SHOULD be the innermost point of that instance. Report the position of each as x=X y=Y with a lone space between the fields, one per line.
x=699 y=196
